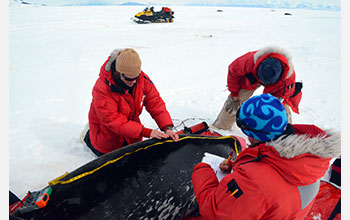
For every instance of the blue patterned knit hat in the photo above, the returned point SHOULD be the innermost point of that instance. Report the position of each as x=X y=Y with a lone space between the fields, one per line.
x=262 y=117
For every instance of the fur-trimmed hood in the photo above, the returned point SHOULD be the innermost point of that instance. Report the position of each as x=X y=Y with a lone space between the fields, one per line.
x=112 y=57
x=275 y=49
x=301 y=158
x=321 y=145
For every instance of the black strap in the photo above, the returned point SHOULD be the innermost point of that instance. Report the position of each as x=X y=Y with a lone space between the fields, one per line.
x=336 y=210
x=298 y=87
x=335 y=175
x=251 y=78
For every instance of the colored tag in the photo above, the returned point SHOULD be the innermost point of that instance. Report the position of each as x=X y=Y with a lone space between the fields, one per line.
x=233 y=189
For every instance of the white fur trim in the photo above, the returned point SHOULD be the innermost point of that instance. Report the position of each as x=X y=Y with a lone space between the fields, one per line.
x=113 y=56
x=275 y=49
x=295 y=145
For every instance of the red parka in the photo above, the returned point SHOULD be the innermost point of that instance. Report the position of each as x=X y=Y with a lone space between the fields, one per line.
x=242 y=74
x=114 y=113
x=271 y=181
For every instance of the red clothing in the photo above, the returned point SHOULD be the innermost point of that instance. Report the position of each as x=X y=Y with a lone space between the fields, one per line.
x=242 y=74
x=114 y=115
x=326 y=200
x=271 y=181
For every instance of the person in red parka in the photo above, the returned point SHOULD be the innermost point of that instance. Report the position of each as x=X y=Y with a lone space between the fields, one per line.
x=119 y=95
x=270 y=67
x=276 y=177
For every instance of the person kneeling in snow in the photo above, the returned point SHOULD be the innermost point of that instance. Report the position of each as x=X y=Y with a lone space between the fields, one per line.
x=119 y=95
x=270 y=67
x=276 y=177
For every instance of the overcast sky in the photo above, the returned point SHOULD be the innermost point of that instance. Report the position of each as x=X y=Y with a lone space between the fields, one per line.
x=315 y=4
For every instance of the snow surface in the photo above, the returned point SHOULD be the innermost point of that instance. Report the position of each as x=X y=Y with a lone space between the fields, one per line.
x=55 y=54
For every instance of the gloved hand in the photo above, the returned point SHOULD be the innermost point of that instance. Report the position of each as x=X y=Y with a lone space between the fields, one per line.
x=227 y=115
x=231 y=104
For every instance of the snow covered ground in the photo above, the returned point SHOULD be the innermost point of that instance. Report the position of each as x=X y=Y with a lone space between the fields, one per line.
x=55 y=54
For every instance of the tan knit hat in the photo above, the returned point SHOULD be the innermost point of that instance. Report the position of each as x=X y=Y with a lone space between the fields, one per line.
x=128 y=63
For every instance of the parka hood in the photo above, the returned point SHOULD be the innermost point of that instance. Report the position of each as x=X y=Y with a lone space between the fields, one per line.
x=112 y=58
x=107 y=66
x=326 y=146
x=301 y=159
x=287 y=61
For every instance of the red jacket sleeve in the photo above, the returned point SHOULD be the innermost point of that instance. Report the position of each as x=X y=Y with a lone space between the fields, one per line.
x=155 y=105
x=204 y=183
x=237 y=70
x=221 y=200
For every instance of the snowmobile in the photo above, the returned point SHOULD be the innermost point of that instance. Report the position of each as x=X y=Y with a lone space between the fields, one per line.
x=148 y=15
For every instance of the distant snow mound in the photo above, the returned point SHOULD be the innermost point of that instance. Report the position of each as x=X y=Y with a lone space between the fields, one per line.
x=22 y=2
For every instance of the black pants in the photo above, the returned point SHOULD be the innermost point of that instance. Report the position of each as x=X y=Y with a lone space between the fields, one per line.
x=335 y=174
x=88 y=143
